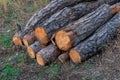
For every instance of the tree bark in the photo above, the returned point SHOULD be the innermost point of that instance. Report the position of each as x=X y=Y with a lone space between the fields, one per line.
x=28 y=39
x=110 y=2
x=64 y=57
x=40 y=16
x=93 y=44
x=34 y=48
x=47 y=55
x=79 y=30
x=64 y=17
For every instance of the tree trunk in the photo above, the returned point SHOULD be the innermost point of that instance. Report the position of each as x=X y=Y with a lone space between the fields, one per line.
x=93 y=44
x=111 y=2
x=34 y=48
x=84 y=27
x=40 y=16
x=47 y=55
x=29 y=39
x=64 y=17
x=64 y=57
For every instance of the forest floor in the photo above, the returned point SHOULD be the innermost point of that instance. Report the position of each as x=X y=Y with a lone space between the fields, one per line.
x=15 y=63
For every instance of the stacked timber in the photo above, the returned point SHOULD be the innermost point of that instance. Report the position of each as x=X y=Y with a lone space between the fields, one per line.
x=69 y=29
x=93 y=44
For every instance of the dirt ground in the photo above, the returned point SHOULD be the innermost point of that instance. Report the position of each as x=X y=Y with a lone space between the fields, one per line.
x=15 y=63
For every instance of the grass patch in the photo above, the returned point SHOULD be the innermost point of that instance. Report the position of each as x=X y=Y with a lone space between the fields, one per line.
x=9 y=72
x=6 y=40
x=11 y=16
x=53 y=70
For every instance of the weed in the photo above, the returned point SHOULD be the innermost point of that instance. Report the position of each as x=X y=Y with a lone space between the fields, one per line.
x=11 y=16
x=1 y=13
x=29 y=7
x=9 y=72
x=88 y=66
x=54 y=71
x=6 y=40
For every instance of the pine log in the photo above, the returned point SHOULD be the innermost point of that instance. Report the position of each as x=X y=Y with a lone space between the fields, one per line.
x=40 y=16
x=47 y=55
x=110 y=2
x=28 y=39
x=64 y=57
x=93 y=44
x=34 y=48
x=64 y=17
x=17 y=38
x=79 y=30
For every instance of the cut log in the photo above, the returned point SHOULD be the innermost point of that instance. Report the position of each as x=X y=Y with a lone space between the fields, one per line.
x=47 y=55
x=17 y=38
x=111 y=2
x=93 y=44
x=64 y=57
x=34 y=48
x=84 y=27
x=28 y=39
x=42 y=15
x=64 y=17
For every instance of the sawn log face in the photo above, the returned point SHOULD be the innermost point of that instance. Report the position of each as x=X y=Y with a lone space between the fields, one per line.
x=101 y=37
x=84 y=27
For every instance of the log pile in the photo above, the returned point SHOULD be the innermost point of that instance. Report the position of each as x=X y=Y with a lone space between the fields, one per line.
x=69 y=29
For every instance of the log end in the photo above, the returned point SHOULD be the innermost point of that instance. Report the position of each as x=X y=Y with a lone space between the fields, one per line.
x=25 y=42
x=17 y=40
x=28 y=40
x=31 y=52
x=40 y=60
x=75 y=56
x=115 y=8
x=41 y=35
x=63 y=40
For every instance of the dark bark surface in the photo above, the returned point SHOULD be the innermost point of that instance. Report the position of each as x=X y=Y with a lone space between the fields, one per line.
x=111 y=2
x=48 y=54
x=64 y=57
x=40 y=16
x=70 y=14
x=102 y=36
x=36 y=46
x=50 y=9
x=67 y=15
x=88 y=24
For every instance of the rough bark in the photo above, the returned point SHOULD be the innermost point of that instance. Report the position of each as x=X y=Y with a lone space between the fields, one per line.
x=84 y=27
x=28 y=39
x=64 y=17
x=34 y=48
x=93 y=44
x=111 y=2
x=64 y=57
x=43 y=14
x=47 y=55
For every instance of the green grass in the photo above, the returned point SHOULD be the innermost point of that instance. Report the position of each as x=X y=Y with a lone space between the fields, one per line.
x=6 y=40
x=11 y=16
x=9 y=72
x=53 y=69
